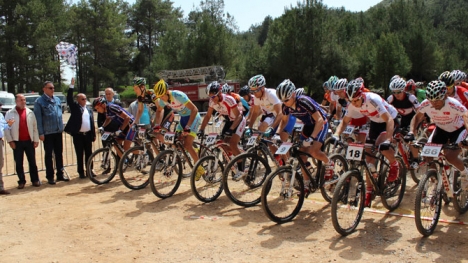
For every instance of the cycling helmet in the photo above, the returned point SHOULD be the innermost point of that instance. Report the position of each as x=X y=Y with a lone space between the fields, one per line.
x=225 y=88
x=340 y=85
x=354 y=88
x=398 y=84
x=436 y=90
x=160 y=88
x=213 y=88
x=420 y=85
x=285 y=90
x=331 y=82
x=410 y=85
x=244 y=91
x=394 y=78
x=447 y=78
x=139 y=81
x=458 y=75
x=299 y=92
x=98 y=101
x=257 y=82
x=325 y=85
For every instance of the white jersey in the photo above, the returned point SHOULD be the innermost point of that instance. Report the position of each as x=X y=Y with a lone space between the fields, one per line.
x=267 y=101
x=225 y=107
x=334 y=97
x=449 y=118
x=373 y=106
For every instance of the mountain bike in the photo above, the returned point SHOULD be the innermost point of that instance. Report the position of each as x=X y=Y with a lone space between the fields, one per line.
x=441 y=179
x=349 y=195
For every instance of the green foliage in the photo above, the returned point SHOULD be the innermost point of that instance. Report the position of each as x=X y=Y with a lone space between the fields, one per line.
x=127 y=92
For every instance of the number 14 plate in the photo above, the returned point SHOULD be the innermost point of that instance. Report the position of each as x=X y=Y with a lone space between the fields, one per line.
x=431 y=150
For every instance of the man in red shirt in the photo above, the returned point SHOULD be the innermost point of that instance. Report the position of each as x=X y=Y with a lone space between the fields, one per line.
x=23 y=137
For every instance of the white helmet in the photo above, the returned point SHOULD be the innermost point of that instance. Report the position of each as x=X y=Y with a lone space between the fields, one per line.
x=341 y=84
x=398 y=84
x=285 y=90
x=299 y=92
x=257 y=82
x=225 y=89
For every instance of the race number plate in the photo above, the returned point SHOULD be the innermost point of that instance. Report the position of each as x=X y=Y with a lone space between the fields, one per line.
x=354 y=151
x=431 y=150
x=252 y=139
x=141 y=132
x=169 y=137
x=284 y=148
x=105 y=136
x=349 y=129
x=211 y=139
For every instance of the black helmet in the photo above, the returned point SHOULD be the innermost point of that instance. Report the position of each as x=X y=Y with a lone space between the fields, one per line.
x=244 y=91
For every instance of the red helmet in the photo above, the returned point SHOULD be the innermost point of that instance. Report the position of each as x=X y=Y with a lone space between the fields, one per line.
x=410 y=85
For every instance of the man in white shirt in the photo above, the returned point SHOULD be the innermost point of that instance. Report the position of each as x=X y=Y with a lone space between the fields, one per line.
x=81 y=127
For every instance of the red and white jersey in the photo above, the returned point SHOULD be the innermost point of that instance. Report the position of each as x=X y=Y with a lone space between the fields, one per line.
x=449 y=118
x=225 y=107
x=373 y=106
x=461 y=94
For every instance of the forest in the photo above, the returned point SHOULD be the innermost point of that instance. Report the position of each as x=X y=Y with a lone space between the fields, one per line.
x=309 y=42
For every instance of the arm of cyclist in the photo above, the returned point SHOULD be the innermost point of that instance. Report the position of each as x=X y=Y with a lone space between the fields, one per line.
x=126 y=119
x=319 y=122
x=253 y=115
x=139 y=111
x=417 y=119
x=238 y=118
x=279 y=115
x=206 y=119
x=193 y=113
x=342 y=126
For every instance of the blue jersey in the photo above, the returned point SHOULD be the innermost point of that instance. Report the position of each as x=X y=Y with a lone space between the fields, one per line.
x=177 y=101
x=305 y=107
x=114 y=111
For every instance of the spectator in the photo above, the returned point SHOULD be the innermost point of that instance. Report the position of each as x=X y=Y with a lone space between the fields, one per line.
x=81 y=127
x=48 y=111
x=23 y=138
x=101 y=118
x=3 y=125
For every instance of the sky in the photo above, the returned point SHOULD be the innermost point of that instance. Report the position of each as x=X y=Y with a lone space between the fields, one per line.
x=249 y=12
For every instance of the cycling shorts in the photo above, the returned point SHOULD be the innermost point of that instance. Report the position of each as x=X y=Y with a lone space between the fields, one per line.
x=193 y=128
x=239 y=130
x=377 y=128
x=440 y=136
x=308 y=129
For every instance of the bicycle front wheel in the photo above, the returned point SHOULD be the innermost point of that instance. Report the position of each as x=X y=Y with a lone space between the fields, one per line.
x=102 y=166
x=280 y=201
x=244 y=187
x=347 y=204
x=206 y=179
x=460 y=196
x=165 y=174
x=134 y=167
x=428 y=203
x=392 y=193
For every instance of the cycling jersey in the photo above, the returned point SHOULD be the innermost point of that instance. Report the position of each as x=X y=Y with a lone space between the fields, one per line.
x=408 y=105
x=449 y=118
x=177 y=101
x=421 y=95
x=305 y=108
x=245 y=106
x=327 y=96
x=225 y=106
x=113 y=111
x=148 y=98
x=373 y=106
x=461 y=94
x=268 y=101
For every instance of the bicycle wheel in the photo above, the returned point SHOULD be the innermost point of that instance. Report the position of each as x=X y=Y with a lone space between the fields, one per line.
x=134 y=167
x=208 y=186
x=165 y=174
x=417 y=174
x=102 y=166
x=280 y=201
x=245 y=189
x=392 y=193
x=428 y=203
x=460 y=196
x=328 y=186
x=347 y=204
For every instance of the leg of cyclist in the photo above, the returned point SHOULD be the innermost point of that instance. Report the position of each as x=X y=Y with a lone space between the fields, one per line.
x=453 y=156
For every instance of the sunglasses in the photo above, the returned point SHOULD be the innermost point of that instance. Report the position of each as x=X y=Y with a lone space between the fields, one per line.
x=51 y=87
x=286 y=100
x=397 y=92
x=256 y=90
x=355 y=100
x=214 y=96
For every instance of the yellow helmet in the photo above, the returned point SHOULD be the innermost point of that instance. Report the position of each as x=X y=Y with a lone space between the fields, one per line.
x=160 y=88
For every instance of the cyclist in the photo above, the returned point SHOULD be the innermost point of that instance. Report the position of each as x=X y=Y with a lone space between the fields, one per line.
x=117 y=114
x=315 y=122
x=235 y=121
x=248 y=98
x=243 y=105
x=451 y=120
x=189 y=117
x=267 y=103
x=457 y=92
x=382 y=123
x=406 y=105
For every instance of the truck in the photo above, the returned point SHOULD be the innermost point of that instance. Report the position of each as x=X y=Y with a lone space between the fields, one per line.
x=193 y=82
